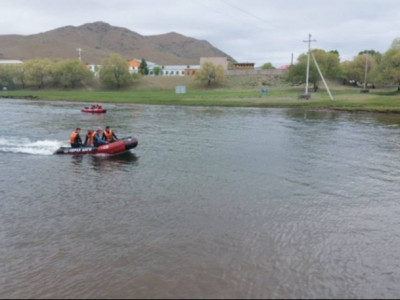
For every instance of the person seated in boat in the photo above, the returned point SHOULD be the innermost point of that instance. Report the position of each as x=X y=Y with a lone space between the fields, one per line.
x=75 y=138
x=97 y=139
x=93 y=106
x=109 y=135
x=89 y=138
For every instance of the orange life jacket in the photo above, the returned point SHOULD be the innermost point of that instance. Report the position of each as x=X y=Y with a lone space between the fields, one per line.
x=90 y=138
x=108 y=135
x=73 y=137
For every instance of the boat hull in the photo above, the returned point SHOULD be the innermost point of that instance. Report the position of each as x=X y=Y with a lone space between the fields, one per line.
x=116 y=147
x=94 y=110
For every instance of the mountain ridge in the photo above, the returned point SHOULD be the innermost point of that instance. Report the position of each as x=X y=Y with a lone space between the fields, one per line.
x=99 y=39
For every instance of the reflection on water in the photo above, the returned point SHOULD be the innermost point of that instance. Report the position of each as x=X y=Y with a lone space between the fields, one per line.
x=214 y=203
x=77 y=160
x=126 y=159
x=103 y=163
x=316 y=115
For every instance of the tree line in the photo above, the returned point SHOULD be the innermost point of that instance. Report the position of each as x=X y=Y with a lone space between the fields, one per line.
x=40 y=73
x=382 y=69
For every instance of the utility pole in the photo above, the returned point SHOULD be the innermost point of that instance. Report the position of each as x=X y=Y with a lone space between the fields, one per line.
x=306 y=95
x=79 y=54
x=322 y=77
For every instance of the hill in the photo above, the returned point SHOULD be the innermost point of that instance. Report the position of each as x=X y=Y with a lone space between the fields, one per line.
x=98 y=40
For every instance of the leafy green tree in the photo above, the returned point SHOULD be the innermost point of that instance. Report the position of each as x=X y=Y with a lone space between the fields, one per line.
x=354 y=71
x=328 y=63
x=370 y=52
x=143 y=69
x=335 y=52
x=157 y=71
x=19 y=75
x=268 y=66
x=390 y=66
x=375 y=54
x=115 y=72
x=70 y=73
x=6 y=76
x=395 y=44
x=37 y=72
x=349 y=73
x=211 y=73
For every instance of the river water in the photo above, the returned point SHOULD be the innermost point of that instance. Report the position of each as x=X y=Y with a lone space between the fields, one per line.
x=213 y=203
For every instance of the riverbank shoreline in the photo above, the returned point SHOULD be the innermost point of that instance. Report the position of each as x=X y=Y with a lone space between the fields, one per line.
x=345 y=98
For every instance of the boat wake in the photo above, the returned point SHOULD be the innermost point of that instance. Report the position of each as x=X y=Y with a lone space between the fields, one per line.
x=26 y=146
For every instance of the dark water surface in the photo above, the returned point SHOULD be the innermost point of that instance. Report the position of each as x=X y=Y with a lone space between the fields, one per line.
x=213 y=203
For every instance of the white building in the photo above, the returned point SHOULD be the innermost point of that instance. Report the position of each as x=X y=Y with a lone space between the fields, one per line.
x=95 y=69
x=134 y=66
x=179 y=70
x=172 y=70
x=10 y=62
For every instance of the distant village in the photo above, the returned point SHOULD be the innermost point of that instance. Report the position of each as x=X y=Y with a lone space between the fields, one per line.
x=181 y=70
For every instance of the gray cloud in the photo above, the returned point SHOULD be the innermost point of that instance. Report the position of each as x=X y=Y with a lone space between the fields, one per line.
x=253 y=31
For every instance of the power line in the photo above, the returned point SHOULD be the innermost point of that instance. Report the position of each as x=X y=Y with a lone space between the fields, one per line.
x=215 y=10
x=235 y=19
x=246 y=12
x=228 y=13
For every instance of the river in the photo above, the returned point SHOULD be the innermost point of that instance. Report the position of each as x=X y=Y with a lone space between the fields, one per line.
x=213 y=203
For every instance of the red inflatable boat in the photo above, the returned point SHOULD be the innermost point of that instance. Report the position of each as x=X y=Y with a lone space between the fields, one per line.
x=96 y=110
x=116 y=147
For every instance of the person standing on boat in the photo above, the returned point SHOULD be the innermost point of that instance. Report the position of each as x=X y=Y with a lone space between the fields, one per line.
x=109 y=135
x=89 y=138
x=75 y=138
x=97 y=139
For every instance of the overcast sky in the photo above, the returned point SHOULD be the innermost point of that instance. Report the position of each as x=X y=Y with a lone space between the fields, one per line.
x=256 y=31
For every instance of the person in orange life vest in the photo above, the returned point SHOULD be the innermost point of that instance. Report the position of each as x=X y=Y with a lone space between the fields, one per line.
x=97 y=140
x=89 y=138
x=75 y=138
x=109 y=135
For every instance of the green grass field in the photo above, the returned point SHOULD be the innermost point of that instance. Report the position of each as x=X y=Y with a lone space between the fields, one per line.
x=345 y=98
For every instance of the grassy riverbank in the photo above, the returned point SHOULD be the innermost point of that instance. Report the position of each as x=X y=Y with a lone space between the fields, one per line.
x=345 y=98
